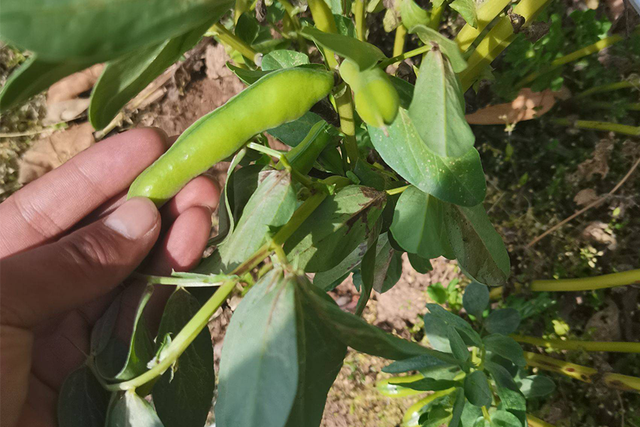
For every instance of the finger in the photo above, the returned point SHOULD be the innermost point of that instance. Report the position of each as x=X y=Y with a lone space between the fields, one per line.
x=79 y=267
x=49 y=206
x=201 y=191
x=181 y=250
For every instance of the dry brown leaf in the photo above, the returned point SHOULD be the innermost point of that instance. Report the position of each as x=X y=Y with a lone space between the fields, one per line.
x=599 y=163
x=50 y=152
x=65 y=111
x=528 y=105
x=75 y=84
x=586 y=196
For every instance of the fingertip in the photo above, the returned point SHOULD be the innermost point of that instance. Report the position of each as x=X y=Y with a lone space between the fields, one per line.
x=134 y=219
x=201 y=191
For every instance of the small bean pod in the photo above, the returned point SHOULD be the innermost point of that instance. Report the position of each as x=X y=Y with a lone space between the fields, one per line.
x=377 y=101
x=279 y=97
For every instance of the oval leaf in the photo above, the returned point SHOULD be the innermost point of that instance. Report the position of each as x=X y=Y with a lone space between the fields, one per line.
x=125 y=77
x=82 y=401
x=504 y=321
x=505 y=347
x=130 y=410
x=476 y=389
x=182 y=396
x=475 y=299
x=72 y=29
x=457 y=180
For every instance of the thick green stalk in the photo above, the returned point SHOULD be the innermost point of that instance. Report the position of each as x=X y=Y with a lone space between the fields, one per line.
x=361 y=23
x=436 y=17
x=497 y=40
x=401 y=57
x=487 y=12
x=555 y=344
x=580 y=53
x=587 y=283
x=603 y=105
x=420 y=403
x=582 y=373
x=602 y=126
x=399 y=40
x=635 y=83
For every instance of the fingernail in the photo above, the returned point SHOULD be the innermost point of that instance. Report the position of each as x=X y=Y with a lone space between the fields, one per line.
x=134 y=219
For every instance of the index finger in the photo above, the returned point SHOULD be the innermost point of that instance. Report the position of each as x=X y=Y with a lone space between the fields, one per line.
x=49 y=206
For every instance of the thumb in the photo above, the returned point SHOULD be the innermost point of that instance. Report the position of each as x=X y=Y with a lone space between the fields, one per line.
x=78 y=268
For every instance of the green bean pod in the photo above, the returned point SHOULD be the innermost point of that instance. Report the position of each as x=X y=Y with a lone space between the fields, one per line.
x=377 y=101
x=279 y=97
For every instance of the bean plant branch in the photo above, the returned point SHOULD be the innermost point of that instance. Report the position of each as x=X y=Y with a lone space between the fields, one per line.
x=601 y=126
x=234 y=42
x=199 y=321
x=487 y=12
x=587 y=283
x=361 y=23
x=399 y=40
x=401 y=57
x=556 y=344
x=497 y=40
x=537 y=422
x=582 y=373
x=586 y=208
x=632 y=83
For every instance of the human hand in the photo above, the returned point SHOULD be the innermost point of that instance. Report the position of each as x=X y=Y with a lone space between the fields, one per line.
x=67 y=241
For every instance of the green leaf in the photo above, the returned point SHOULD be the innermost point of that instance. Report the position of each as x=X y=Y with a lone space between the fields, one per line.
x=388 y=265
x=419 y=264
x=417 y=363
x=327 y=280
x=130 y=410
x=247 y=28
x=362 y=53
x=271 y=206
x=504 y=321
x=447 y=46
x=82 y=401
x=345 y=25
x=417 y=224
x=123 y=78
x=71 y=29
x=32 y=77
x=140 y=348
x=456 y=180
x=427 y=384
x=283 y=59
x=355 y=332
x=475 y=299
x=510 y=397
x=501 y=375
x=247 y=77
x=477 y=246
x=537 y=386
x=458 y=347
x=437 y=108
x=466 y=9
x=335 y=228
x=182 y=396
x=458 y=407
x=470 y=414
x=294 y=132
x=437 y=292
x=505 y=347
x=412 y=14
x=476 y=389
x=103 y=328
x=404 y=89
x=259 y=371
x=504 y=419
x=450 y=319
x=320 y=357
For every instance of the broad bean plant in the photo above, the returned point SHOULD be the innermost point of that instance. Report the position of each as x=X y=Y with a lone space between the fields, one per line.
x=378 y=166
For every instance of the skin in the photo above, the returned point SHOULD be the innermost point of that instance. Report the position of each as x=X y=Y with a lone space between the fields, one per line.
x=377 y=101
x=277 y=98
x=67 y=242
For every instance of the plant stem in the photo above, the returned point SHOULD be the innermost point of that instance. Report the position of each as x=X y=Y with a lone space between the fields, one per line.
x=631 y=106
x=180 y=343
x=602 y=126
x=487 y=12
x=399 y=58
x=199 y=321
x=361 y=23
x=198 y=281
x=408 y=415
x=397 y=390
x=587 y=283
x=436 y=17
x=537 y=422
x=233 y=41
x=497 y=40
x=580 y=53
x=324 y=21
x=397 y=190
x=554 y=344
x=635 y=83
x=582 y=373
x=399 y=40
